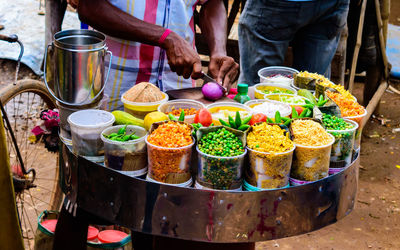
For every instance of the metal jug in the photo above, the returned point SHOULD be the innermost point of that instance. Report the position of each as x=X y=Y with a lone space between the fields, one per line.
x=74 y=66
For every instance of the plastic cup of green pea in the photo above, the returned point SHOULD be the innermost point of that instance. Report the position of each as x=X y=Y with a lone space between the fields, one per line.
x=221 y=157
x=344 y=131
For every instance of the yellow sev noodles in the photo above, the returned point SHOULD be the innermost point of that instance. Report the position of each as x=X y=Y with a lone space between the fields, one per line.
x=326 y=83
x=309 y=133
x=268 y=138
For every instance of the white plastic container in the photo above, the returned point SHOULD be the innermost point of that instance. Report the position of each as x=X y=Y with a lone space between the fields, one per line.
x=86 y=127
x=128 y=157
x=258 y=106
x=181 y=104
x=65 y=111
x=267 y=75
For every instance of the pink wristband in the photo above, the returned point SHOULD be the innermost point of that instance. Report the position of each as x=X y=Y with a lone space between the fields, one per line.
x=164 y=36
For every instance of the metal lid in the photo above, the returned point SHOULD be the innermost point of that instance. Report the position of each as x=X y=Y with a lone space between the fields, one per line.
x=79 y=39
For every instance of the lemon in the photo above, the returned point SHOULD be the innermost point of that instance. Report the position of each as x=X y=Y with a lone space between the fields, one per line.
x=153 y=117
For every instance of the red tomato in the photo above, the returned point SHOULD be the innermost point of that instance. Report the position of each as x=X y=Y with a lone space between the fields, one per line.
x=203 y=116
x=257 y=118
x=298 y=109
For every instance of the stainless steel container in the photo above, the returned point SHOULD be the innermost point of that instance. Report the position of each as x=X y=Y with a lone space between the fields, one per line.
x=74 y=66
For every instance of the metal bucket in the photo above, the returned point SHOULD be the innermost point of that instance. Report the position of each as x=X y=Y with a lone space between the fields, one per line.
x=74 y=66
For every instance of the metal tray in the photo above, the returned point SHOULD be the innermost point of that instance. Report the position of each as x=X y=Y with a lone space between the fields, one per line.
x=201 y=215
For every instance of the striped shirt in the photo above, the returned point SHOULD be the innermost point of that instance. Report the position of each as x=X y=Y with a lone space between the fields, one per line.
x=134 y=62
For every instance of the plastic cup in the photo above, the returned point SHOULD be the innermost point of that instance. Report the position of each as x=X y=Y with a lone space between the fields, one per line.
x=64 y=111
x=141 y=109
x=311 y=163
x=269 y=170
x=183 y=104
x=169 y=165
x=284 y=109
x=267 y=75
x=86 y=127
x=342 y=148
x=359 y=119
x=128 y=157
x=222 y=173
x=258 y=89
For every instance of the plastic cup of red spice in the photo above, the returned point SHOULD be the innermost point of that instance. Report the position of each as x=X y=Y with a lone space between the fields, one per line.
x=169 y=149
x=169 y=165
x=359 y=119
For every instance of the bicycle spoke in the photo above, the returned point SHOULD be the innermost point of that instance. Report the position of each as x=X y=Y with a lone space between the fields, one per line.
x=44 y=202
x=45 y=179
x=33 y=203
x=42 y=187
x=26 y=124
x=30 y=237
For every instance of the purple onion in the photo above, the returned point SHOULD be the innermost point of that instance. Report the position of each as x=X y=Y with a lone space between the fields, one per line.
x=212 y=91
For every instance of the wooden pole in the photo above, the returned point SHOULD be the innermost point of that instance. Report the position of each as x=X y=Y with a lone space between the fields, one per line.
x=375 y=101
x=357 y=47
x=10 y=232
x=385 y=12
x=382 y=42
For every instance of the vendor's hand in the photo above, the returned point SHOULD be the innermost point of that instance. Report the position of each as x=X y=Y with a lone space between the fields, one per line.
x=224 y=69
x=182 y=58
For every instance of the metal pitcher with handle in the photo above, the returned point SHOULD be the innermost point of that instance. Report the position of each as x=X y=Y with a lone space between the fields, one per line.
x=74 y=66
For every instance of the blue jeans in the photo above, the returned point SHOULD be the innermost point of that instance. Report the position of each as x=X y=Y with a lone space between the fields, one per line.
x=266 y=27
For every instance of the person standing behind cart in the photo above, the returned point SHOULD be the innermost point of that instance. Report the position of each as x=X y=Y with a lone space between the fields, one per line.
x=267 y=27
x=153 y=41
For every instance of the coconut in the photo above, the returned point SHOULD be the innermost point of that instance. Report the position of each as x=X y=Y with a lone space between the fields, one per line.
x=144 y=92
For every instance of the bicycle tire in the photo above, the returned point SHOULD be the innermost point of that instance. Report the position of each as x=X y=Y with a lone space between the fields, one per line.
x=9 y=96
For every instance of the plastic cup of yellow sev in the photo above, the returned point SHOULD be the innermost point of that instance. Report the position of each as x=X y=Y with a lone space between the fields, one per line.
x=269 y=170
x=313 y=150
x=270 y=156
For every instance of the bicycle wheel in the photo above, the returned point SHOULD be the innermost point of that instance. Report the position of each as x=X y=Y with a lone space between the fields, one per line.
x=38 y=190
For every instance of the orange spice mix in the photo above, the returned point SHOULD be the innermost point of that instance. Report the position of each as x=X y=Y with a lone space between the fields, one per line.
x=177 y=112
x=171 y=135
x=347 y=107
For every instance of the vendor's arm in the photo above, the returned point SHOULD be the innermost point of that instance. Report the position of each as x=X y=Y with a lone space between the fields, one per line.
x=213 y=28
x=107 y=18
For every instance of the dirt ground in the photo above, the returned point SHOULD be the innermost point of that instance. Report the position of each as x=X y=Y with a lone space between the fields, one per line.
x=375 y=221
